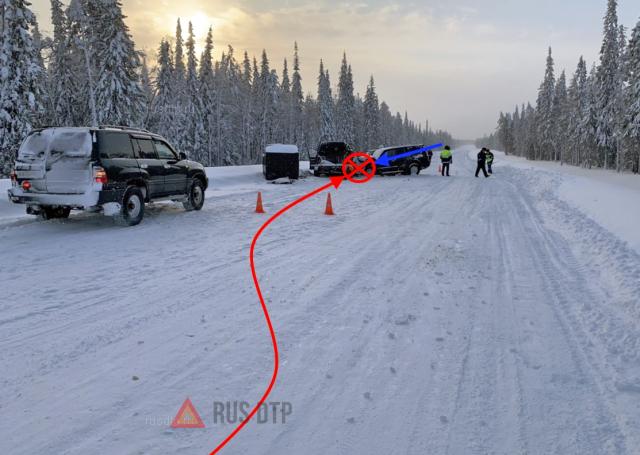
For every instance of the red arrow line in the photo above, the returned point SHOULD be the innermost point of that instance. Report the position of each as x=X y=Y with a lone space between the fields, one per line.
x=335 y=182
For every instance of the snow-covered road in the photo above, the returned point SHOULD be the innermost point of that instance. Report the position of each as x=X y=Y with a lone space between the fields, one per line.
x=431 y=316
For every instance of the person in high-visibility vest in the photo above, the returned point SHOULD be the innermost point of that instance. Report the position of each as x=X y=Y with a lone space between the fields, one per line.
x=489 y=160
x=447 y=158
x=482 y=163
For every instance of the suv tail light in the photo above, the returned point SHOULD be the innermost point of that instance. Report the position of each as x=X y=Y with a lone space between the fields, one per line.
x=100 y=175
x=26 y=185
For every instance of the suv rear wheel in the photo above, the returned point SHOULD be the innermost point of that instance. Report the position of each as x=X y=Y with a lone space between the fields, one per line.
x=132 y=210
x=414 y=169
x=195 y=198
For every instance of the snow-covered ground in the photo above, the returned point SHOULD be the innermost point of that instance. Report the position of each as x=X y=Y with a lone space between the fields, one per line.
x=610 y=198
x=430 y=316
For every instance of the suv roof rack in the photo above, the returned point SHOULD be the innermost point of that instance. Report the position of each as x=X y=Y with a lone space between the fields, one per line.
x=120 y=127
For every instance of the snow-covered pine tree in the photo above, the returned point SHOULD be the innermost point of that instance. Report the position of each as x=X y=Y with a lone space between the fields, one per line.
x=247 y=127
x=180 y=69
x=61 y=82
x=147 y=91
x=297 y=102
x=286 y=82
x=608 y=86
x=345 y=108
x=119 y=96
x=371 y=116
x=589 y=122
x=207 y=101
x=560 y=116
x=577 y=97
x=179 y=91
x=163 y=106
x=284 y=106
x=505 y=132
x=256 y=111
x=40 y=116
x=544 y=112
x=619 y=103
x=632 y=99
x=518 y=137
x=386 y=124
x=82 y=44
x=275 y=99
x=325 y=104
x=194 y=125
x=531 y=128
x=19 y=78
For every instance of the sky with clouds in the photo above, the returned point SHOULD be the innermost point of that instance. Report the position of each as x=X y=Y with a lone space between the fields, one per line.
x=456 y=63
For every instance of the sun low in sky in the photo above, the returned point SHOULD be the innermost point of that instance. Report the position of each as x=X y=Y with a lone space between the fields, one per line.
x=455 y=63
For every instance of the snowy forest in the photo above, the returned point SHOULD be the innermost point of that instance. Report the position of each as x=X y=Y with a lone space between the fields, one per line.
x=220 y=112
x=592 y=120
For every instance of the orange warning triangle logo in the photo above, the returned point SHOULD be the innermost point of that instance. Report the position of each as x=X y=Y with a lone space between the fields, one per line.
x=187 y=417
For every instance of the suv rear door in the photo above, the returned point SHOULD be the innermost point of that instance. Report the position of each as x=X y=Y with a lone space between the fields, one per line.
x=150 y=164
x=117 y=156
x=175 y=173
x=66 y=161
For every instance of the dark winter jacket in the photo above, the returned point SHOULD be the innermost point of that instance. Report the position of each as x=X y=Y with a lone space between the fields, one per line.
x=482 y=157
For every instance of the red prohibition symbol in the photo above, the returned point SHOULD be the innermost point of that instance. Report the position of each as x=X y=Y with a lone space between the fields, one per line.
x=359 y=167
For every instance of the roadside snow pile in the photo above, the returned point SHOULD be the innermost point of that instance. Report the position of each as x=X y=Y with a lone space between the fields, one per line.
x=7 y=208
x=282 y=181
x=609 y=198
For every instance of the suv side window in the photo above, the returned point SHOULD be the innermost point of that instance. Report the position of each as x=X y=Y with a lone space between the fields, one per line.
x=164 y=151
x=115 y=145
x=145 y=149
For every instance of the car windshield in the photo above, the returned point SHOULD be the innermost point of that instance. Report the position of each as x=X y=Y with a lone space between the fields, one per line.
x=378 y=153
x=332 y=149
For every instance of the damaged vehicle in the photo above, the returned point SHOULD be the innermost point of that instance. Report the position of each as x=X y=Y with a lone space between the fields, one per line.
x=329 y=158
x=112 y=170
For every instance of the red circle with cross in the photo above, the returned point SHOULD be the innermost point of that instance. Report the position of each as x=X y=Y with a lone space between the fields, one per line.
x=359 y=171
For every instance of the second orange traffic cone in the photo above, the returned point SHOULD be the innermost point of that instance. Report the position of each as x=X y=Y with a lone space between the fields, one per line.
x=259 y=208
x=329 y=209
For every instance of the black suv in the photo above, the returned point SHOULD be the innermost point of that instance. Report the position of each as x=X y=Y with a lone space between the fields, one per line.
x=329 y=158
x=113 y=170
x=411 y=165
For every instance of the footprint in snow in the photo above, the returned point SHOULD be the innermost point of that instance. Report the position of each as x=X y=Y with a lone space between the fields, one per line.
x=444 y=420
x=405 y=320
x=351 y=420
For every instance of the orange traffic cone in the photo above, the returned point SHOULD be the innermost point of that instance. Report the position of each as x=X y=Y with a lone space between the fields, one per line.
x=259 y=208
x=329 y=209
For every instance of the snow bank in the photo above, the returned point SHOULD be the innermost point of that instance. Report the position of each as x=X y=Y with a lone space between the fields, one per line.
x=7 y=208
x=609 y=198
